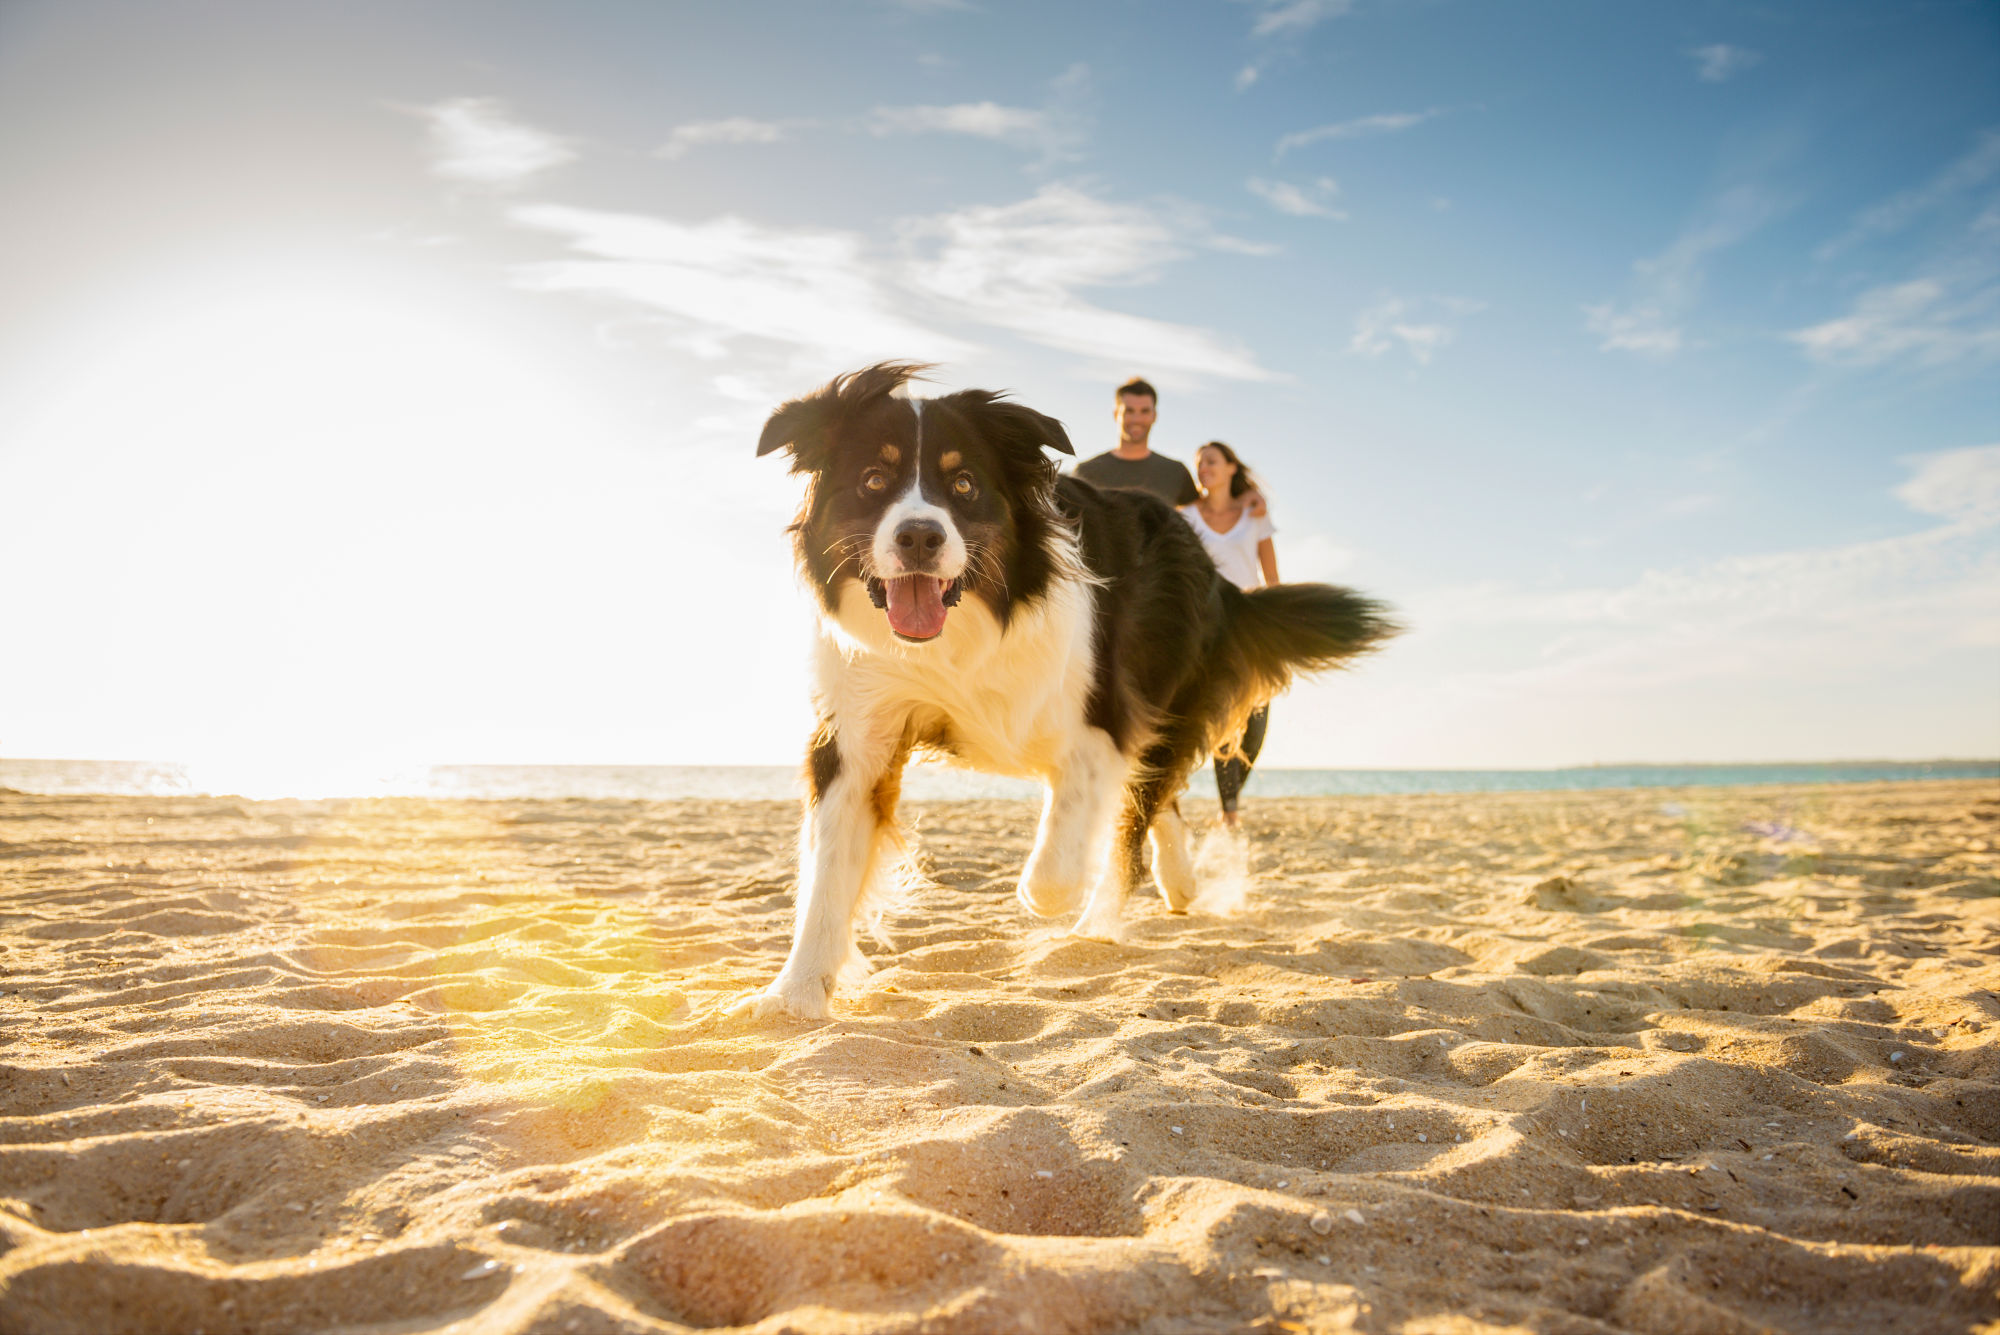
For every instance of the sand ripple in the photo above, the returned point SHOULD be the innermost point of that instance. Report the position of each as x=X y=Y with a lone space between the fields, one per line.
x=1682 y=1061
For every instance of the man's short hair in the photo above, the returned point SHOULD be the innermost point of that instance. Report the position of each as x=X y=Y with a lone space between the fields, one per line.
x=1137 y=385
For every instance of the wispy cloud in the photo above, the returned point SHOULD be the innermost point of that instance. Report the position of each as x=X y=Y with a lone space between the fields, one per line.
x=1313 y=200
x=1236 y=245
x=1925 y=320
x=1021 y=266
x=1055 y=129
x=733 y=130
x=1677 y=272
x=823 y=297
x=1965 y=175
x=728 y=279
x=819 y=299
x=1420 y=326
x=1716 y=659
x=1783 y=615
x=1946 y=307
x=1721 y=62
x=472 y=139
x=1667 y=284
x=983 y=120
x=1276 y=27
x=1643 y=329
x=1284 y=18
x=1361 y=127
x=1962 y=486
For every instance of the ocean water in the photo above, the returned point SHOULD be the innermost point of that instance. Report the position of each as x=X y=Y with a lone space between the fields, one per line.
x=923 y=783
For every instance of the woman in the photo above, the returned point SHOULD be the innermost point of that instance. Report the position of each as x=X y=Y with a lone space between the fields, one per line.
x=1239 y=543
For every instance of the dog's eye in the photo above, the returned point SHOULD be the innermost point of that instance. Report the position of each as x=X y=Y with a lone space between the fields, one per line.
x=874 y=481
x=963 y=487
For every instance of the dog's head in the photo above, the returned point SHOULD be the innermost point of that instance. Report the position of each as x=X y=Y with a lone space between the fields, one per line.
x=921 y=502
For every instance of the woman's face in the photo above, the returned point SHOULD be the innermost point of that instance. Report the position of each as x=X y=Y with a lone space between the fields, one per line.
x=1213 y=471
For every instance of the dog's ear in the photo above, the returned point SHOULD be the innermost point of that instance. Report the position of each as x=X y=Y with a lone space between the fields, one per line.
x=1027 y=425
x=807 y=423
x=799 y=425
x=1012 y=424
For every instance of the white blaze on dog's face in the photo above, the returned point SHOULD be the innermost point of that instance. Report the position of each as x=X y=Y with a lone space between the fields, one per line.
x=918 y=502
x=918 y=552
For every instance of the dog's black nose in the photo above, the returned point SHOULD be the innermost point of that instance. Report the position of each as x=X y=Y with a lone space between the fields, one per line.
x=919 y=539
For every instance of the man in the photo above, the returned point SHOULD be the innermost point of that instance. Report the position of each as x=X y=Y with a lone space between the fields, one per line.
x=1133 y=465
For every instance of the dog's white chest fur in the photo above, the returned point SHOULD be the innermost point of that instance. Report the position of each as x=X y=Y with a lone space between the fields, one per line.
x=1010 y=701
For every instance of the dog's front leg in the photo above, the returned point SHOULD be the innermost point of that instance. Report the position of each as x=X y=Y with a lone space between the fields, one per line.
x=847 y=772
x=1161 y=771
x=1173 y=862
x=1083 y=793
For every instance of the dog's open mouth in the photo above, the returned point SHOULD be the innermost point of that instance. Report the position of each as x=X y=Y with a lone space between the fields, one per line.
x=916 y=604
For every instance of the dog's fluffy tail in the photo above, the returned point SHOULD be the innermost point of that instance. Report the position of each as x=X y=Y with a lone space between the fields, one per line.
x=1285 y=630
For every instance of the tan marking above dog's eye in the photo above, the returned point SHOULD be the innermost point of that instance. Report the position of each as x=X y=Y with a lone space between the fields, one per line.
x=874 y=480
x=963 y=486
x=891 y=455
x=950 y=460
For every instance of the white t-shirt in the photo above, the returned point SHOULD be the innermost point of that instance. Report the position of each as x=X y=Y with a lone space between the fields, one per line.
x=1234 y=552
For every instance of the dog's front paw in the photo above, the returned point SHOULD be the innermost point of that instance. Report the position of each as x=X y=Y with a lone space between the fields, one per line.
x=783 y=1001
x=1049 y=896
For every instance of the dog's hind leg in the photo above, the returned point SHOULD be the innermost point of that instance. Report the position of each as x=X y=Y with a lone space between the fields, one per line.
x=1082 y=797
x=1149 y=806
x=848 y=774
x=1173 y=860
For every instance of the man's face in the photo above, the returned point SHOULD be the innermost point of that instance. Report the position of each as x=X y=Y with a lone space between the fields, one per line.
x=1134 y=415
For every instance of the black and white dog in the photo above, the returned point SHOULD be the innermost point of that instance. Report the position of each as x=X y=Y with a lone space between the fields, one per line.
x=975 y=604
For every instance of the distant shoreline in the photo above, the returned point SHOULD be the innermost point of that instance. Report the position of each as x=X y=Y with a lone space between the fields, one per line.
x=924 y=783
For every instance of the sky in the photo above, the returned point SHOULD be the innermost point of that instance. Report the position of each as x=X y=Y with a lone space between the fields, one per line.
x=379 y=383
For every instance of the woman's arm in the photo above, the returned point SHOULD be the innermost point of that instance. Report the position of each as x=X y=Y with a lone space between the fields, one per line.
x=1267 y=557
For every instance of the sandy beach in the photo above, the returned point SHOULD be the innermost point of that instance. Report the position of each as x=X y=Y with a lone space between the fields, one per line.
x=1664 y=1061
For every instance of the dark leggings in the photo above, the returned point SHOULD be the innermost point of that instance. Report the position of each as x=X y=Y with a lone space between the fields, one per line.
x=1230 y=773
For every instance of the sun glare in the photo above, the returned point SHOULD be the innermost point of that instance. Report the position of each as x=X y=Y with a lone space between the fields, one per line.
x=317 y=507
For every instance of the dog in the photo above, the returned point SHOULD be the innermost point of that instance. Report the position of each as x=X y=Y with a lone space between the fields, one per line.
x=975 y=604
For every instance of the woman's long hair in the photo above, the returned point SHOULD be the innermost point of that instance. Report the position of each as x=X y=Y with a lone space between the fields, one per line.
x=1240 y=481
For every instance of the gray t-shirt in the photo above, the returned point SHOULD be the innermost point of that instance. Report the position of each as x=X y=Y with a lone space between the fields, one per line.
x=1166 y=478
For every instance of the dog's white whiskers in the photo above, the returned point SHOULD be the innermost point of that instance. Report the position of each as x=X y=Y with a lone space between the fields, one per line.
x=853 y=549
x=983 y=564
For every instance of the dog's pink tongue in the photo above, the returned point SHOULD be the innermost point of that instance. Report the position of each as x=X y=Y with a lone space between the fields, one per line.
x=916 y=606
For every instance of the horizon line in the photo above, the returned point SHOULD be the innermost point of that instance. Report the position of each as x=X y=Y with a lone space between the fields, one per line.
x=1993 y=760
